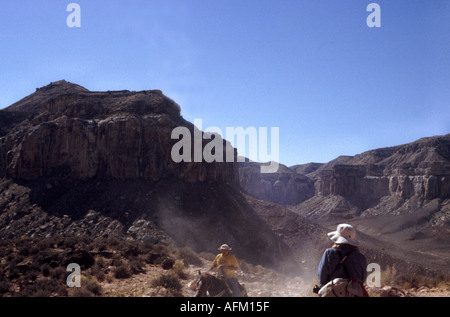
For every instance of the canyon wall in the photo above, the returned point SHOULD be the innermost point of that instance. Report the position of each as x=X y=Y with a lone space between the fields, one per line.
x=70 y=131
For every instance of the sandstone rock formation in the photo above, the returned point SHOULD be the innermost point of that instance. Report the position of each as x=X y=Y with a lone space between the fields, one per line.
x=285 y=187
x=78 y=162
x=398 y=197
x=420 y=169
x=70 y=131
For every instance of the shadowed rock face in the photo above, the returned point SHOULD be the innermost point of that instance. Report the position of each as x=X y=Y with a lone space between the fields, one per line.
x=63 y=129
x=78 y=162
x=285 y=187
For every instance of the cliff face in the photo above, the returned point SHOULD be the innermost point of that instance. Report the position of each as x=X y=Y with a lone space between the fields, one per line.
x=420 y=169
x=411 y=181
x=66 y=130
x=285 y=187
x=395 y=180
x=78 y=162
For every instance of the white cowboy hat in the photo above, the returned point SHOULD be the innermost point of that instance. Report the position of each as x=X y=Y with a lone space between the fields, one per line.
x=225 y=247
x=344 y=234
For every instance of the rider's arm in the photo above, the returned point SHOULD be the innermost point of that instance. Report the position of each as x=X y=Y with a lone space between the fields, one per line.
x=215 y=263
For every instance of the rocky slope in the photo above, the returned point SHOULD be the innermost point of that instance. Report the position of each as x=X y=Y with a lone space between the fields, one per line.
x=399 y=198
x=99 y=163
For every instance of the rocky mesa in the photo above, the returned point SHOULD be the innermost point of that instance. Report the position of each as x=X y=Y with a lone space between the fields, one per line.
x=398 y=197
x=79 y=162
x=63 y=129
x=418 y=171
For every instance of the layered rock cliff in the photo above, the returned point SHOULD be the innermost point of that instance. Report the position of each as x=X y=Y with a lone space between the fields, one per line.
x=409 y=182
x=75 y=162
x=285 y=187
x=395 y=180
x=63 y=129
x=420 y=169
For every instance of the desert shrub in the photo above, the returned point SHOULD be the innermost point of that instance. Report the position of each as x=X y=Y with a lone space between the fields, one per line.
x=178 y=268
x=148 y=246
x=414 y=280
x=100 y=262
x=34 y=250
x=71 y=242
x=441 y=281
x=4 y=287
x=188 y=256
x=116 y=260
x=97 y=269
x=44 y=244
x=169 y=280
x=100 y=275
x=132 y=248
x=136 y=265
x=45 y=287
x=207 y=256
x=121 y=272
x=81 y=292
x=24 y=247
x=388 y=275
x=409 y=280
x=88 y=288
x=46 y=269
x=162 y=249
x=59 y=273
x=91 y=285
x=105 y=243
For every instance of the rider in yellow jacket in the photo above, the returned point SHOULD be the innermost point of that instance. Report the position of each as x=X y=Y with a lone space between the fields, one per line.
x=228 y=265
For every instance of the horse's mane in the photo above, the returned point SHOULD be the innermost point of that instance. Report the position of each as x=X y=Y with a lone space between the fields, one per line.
x=212 y=278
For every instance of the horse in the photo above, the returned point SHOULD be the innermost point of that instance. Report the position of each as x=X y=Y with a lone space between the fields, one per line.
x=215 y=287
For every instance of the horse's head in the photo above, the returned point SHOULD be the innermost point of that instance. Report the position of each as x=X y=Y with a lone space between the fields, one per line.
x=202 y=284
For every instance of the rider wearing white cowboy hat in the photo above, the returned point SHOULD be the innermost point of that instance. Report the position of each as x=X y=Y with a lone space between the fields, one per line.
x=228 y=264
x=345 y=244
x=224 y=247
x=344 y=234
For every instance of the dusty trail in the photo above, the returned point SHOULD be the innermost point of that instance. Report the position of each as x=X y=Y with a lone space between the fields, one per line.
x=265 y=283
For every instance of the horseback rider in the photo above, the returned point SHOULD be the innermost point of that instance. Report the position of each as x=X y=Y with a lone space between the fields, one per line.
x=227 y=265
x=345 y=250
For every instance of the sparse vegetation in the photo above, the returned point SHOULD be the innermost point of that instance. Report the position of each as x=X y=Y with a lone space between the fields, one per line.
x=89 y=287
x=122 y=272
x=388 y=276
x=413 y=280
x=188 y=256
x=178 y=268
x=37 y=267
x=169 y=280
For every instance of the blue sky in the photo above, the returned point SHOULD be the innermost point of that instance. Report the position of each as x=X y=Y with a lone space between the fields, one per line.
x=313 y=68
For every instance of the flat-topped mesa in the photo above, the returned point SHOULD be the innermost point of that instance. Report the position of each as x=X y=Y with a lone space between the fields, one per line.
x=420 y=169
x=62 y=98
x=73 y=132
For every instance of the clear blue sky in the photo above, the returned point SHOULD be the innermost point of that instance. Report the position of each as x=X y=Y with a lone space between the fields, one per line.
x=313 y=68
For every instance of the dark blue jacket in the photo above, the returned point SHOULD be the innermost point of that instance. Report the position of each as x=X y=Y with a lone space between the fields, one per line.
x=329 y=267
